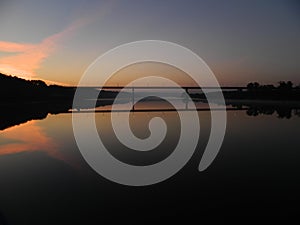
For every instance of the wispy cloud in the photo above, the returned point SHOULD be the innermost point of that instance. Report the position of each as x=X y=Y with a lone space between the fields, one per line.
x=29 y=57
x=24 y=59
x=14 y=47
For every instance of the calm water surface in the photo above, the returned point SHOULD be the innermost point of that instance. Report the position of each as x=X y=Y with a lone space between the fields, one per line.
x=45 y=180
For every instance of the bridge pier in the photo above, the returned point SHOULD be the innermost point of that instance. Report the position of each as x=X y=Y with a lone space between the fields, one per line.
x=132 y=98
x=187 y=99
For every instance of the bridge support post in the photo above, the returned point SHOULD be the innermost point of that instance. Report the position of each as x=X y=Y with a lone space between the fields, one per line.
x=132 y=98
x=187 y=99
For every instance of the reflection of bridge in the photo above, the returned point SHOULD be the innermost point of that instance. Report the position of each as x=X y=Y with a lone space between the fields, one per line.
x=186 y=88
x=164 y=87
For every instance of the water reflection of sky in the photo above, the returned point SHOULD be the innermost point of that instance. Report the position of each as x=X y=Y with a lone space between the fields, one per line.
x=37 y=136
x=42 y=171
x=27 y=137
x=54 y=135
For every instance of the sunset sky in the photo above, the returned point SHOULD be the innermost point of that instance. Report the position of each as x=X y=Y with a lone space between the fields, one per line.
x=240 y=40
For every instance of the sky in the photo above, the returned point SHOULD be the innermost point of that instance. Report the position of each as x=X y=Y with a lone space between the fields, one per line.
x=240 y=40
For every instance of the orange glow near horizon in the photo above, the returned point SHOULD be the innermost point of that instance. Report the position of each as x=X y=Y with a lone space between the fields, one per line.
x=25 y=60
x=144 y=69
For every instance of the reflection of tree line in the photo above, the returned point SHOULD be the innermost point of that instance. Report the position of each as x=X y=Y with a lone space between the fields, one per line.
x=281 y=111
x=12 y=115
x=15 y=114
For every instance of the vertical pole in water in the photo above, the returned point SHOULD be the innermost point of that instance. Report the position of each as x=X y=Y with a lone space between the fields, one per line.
x=187 y=99
x=132 y=98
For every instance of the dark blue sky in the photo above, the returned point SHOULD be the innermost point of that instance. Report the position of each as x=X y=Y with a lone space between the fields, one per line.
x=240 y=40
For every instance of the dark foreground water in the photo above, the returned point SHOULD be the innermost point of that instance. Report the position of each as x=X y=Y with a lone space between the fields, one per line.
x=255 y=177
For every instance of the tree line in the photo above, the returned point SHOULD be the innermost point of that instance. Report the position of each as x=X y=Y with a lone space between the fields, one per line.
x=282 y=85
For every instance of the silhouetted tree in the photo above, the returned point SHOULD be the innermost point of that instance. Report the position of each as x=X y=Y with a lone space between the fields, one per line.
x=268 y=87
x=285 y=85
x=39 y=83
x=253 y=86
x=289 y=84
x=256 y=85
x=250 y=86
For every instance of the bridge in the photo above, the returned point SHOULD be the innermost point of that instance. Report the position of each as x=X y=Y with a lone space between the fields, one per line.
x=158 y=110
x=133 y=89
